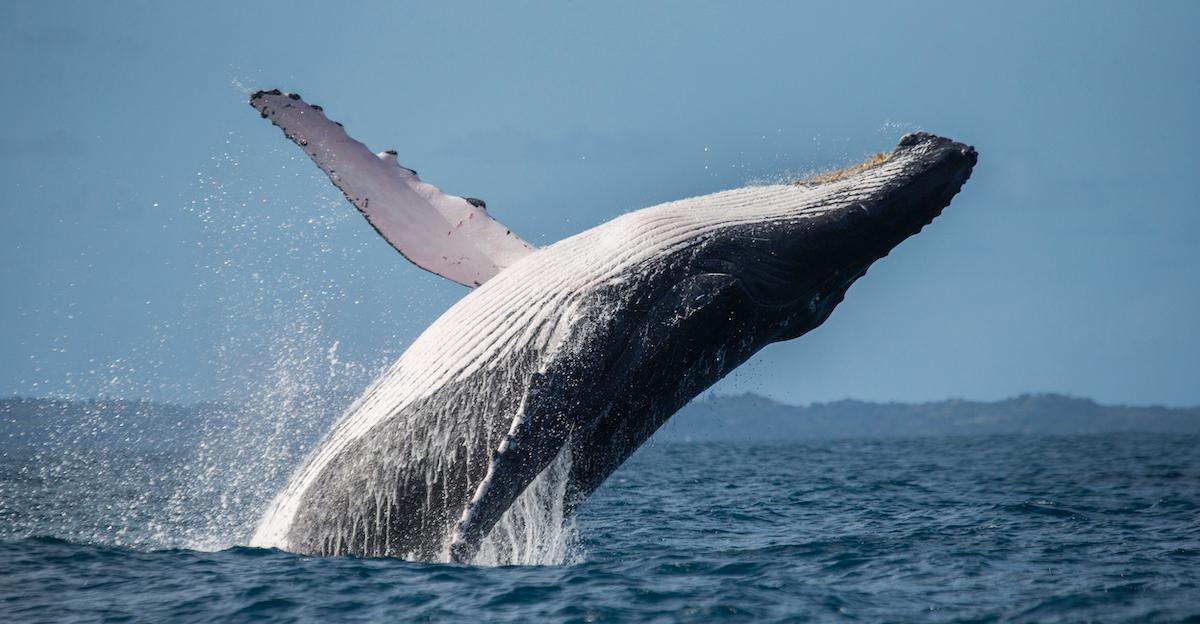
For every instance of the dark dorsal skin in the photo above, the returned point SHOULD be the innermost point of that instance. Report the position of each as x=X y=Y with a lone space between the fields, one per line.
x=669 y=368
x=433 y=455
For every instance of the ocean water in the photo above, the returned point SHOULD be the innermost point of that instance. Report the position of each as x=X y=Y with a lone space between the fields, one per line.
x=934 y=529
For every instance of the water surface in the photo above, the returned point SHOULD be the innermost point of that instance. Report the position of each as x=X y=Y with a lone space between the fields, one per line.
x=931 y=529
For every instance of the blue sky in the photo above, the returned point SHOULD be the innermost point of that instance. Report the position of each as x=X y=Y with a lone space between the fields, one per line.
x=162 y=241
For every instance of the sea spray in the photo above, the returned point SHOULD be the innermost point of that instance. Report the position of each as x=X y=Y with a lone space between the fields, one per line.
x=243 y=459
x=274 y=359
x=275 y=288
x=535 y=529
x=282 y=363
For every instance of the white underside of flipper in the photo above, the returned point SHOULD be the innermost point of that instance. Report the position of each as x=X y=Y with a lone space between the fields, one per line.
x=444 y=234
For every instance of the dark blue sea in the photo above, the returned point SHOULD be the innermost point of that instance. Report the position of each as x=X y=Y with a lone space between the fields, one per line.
x=1099 y=528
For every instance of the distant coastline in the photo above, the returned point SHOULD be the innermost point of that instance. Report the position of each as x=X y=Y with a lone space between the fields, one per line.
x=755 y=417
x=32 y=422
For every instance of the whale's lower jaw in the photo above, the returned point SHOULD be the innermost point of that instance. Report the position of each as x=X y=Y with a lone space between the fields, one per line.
x=583 y=349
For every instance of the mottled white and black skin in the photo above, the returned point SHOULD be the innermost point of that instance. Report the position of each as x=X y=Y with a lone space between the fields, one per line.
x=588 y=346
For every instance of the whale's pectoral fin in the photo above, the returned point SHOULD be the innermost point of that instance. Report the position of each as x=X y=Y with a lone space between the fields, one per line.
x=452 y=236
x=536 y=437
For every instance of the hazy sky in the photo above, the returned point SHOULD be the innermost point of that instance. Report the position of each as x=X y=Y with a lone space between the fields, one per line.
x=162 y=241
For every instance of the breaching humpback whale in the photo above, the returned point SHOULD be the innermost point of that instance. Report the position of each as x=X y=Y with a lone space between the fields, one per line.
x=579 y=349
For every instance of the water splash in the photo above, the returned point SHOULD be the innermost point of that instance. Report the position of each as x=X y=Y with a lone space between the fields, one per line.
x=272 y=268
x=242 y=460
x=535 y=529
x=274 y=287
x=278 y=284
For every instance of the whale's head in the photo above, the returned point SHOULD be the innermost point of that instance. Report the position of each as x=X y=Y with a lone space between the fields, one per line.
x=806 y=251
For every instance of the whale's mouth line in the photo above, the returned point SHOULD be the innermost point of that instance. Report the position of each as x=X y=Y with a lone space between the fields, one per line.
x=820 y=292
x=814 y=294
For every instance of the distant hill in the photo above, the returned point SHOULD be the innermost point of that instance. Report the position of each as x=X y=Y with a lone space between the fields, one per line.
x=38 y=423
x=755 y=417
